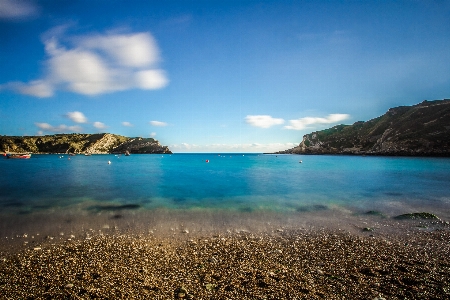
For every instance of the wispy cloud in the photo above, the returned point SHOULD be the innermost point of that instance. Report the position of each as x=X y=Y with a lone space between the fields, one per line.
x=158 y=123
x=263 y=121
x=230 y=148
x=127 y=124
x=77 y=117
x=13 y=9
x=36 y=88
x=45 y=127
x=153 y=134
x=304 y=123
x=99 y=125
x=97 y=64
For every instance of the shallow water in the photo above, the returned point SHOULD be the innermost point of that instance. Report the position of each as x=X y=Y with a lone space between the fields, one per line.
x=244 y=185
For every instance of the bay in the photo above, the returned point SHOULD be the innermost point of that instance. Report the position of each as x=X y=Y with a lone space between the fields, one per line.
x=245 y=184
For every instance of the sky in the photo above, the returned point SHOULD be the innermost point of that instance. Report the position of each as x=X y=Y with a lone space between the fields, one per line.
x=216 y=76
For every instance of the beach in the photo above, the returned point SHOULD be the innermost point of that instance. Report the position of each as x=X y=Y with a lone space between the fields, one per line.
x=261 y=258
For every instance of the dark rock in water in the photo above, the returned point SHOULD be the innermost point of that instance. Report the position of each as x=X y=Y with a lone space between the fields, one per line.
x=416 y=216
x=114 y=207
x=375 y=213
x=367 y=229
x=309 y=208
x=246 y=209
x=179 y=200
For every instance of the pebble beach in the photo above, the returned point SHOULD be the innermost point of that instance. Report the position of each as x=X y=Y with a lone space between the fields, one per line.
x=277 y=262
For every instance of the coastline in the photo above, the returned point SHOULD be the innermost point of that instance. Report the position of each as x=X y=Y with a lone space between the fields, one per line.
x=267 y=257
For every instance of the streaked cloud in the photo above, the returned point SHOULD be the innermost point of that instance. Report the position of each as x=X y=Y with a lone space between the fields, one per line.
x=14 y=9
x=99 y=125
x=263 y=121
x=151 y=79
x=133 y=50
x=158 y=123
x=306 y=122
x=153 y=134
x=36 y=88
x=232 y=148
x=77 y=117
x=45 y=127
x=96 y=64
x=127 y=124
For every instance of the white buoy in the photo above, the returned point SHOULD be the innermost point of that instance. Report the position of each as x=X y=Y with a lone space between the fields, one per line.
x=109 y=162
x=300 y=161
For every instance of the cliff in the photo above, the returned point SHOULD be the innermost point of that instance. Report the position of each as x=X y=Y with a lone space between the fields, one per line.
x=101 y=143
x=418 y=130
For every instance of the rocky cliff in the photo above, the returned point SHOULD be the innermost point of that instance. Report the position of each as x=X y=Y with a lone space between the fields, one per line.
x=419 y=130
x=101 y=143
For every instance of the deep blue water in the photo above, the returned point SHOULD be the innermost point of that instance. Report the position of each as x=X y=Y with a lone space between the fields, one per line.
x=243 y=182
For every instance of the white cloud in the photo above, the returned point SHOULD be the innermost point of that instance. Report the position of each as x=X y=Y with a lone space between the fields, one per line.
x=158 y=123
x=36 y=88
x=127 y=124
x=83 y=72
x=97 y=64
x=151 y=79
x=132 y=50
x=45 y=127
x=263 y=121
x=153 y=134
x=100 y=125
x=77 y=117
x=13 y=9
x=232 y=148
x=304 y=123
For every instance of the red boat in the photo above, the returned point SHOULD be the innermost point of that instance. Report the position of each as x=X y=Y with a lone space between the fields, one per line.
x=18 y=155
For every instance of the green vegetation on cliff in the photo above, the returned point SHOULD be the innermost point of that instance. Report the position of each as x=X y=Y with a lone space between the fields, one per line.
x=81 y=143
x=422 y=129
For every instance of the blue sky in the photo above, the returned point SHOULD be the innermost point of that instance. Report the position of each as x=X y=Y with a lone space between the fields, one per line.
x=216 y=76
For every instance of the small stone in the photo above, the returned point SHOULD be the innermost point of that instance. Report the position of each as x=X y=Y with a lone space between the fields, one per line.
x=106 y=226
x=181 y=292
x=37 y=248
x=185 y=231
x=212 y=260
x=69 y=286
x=367 y=229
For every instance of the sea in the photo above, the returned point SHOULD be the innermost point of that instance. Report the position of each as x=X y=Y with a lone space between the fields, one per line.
x=228 y=191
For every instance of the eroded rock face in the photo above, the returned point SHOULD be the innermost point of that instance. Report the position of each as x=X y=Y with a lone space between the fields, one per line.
x=422 y=130
x=102 y=143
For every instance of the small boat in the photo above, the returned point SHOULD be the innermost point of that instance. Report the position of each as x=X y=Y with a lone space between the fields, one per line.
x=87 y=154
x=127 y=153
x=18 y=155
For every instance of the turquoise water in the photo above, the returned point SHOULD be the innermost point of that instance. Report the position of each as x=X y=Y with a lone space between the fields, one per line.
x=247 y=183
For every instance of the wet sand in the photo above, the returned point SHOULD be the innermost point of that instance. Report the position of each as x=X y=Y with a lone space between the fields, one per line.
x=162 y=255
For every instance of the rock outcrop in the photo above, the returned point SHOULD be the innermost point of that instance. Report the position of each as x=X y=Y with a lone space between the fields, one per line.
x=418 y=130
x=101 y=143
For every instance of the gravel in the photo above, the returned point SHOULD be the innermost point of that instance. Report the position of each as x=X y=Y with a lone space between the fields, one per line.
x=281 y=264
